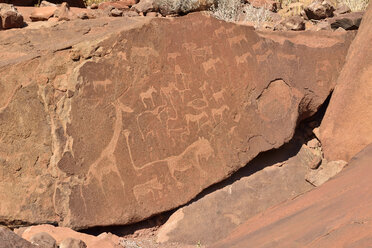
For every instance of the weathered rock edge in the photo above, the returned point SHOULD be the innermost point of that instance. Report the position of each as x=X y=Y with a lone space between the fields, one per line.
x=347 y=125
x=114 y=129
x=336 y=214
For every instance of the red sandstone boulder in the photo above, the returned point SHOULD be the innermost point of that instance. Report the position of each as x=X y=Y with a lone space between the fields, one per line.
x=127 y=118
x=294 y=23
x=121 y=5
x=10 y=17
x=335 y=214
x=63 y=13
x=65 y=236
x=44 y=240
x=347 y=125
x=319 y=9
x=72 y=243
x=42 y=13
x=8 y=239
x=348 y=21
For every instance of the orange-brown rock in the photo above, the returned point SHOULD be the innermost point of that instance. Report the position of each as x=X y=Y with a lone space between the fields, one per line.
x=60 y=234
x=10 y=17
x=72 y=3
x=113 y=121
x=121 y=5
x=213 y=216
x=347 y=125
x=42 y=13
x=267 y=4
x=8 y=239
x=336 y=214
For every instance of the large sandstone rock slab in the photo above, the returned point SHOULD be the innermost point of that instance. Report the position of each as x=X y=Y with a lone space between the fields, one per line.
x=336 y=214
x=122 y=119
x=347 y=125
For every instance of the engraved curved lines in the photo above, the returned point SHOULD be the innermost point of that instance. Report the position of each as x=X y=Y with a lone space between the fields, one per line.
x=257 y=46
x=210 y=64
x=152 y=187
x=219 y=112
x=96 y=171
x=123 y=107
x=11 y=95
x=220 y=30
x=198 y=103
x=231 y=131
x=156 y=112
x=236 y=40
x=166 y=96
x=196 y=51
x=144 y=51
x=148 y=95
x=103 y=83
x=218 y=96
x=173 y=56
x=264 y=57
x=200 y=149
x=243 y=58
x=195 y=118
x=192 y=156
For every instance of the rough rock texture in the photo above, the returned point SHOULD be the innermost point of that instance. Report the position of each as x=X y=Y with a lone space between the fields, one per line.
x=121 y=5
x=72 y=3
x=336 y=214
x=145 y=6
x=326 y=171
x=212 y=217
x=319 y=9
x=341 y=9
x=8 y=239
x=10 y=17
x=131 y=117
x=295 y=23
x=42 y=13
x=267 y=4
x=347 y=125
x=43 y=240
x=72 y=243
x=169 y=7
x=60 y=234
x=63 y=13
x=348 y=21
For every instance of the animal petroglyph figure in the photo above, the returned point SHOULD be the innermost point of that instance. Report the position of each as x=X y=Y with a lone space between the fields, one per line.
x=191 y=157
x=210 y=64
x=148 y=95
x=150 y=187
x=218 y=96
x=195 y=118
x=219 y=112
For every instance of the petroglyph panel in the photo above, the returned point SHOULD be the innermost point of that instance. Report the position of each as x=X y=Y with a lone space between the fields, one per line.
x=154 y=116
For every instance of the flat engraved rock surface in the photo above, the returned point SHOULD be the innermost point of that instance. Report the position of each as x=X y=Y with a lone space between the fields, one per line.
x=115 y=121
